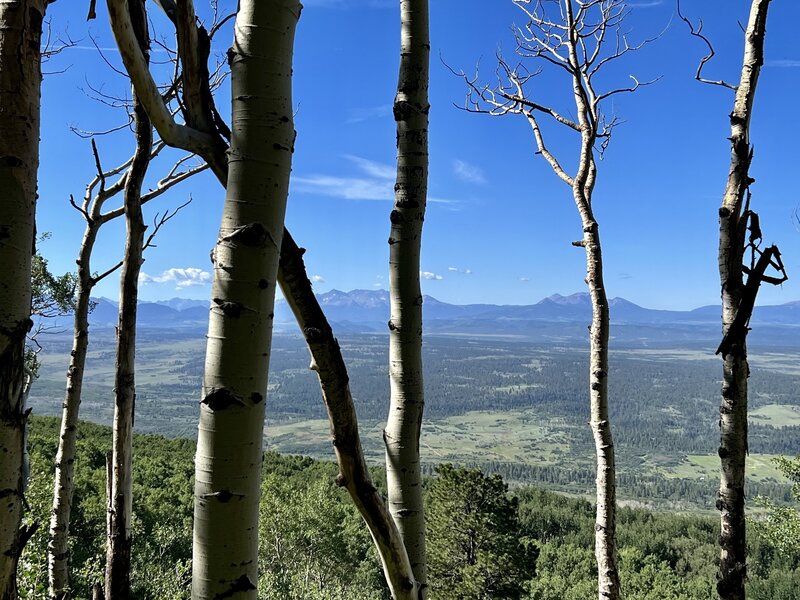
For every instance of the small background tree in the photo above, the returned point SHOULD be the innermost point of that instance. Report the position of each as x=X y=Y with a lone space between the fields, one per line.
x=474 y=548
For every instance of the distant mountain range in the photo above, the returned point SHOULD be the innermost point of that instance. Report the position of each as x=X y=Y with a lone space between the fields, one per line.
x=555 y=318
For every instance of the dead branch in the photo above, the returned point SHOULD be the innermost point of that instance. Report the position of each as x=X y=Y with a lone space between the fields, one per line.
x=698 y=33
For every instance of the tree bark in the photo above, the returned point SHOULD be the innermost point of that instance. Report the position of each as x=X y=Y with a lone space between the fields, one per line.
x=63 y=485
x=329 y=365
x=20 y=85
x=229 y=446
x=403 y=426
x=327 y=358
x=735 y=370
x=120 y=500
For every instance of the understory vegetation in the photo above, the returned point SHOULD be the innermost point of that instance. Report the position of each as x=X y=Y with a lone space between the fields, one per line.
x=485 y=541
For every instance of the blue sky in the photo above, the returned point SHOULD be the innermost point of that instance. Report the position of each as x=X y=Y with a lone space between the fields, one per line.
x=499 y=222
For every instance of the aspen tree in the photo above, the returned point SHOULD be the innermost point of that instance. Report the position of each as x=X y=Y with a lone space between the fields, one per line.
x=736 y=220
x=20 y=85
x=206 y=135
x=229 y=445
x=579 y=38
x=120 y=497
x=735 y=369
x=403 y=426
x=92 y=209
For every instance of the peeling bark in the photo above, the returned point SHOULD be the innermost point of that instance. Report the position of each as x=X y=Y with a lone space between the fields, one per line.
x=229 y=446
x=20 y=84
x=403 y=426
x=735 y=370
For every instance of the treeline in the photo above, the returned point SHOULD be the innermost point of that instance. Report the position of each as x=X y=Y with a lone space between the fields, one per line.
x=659 y=406
x=314 y=546
x=677 y=492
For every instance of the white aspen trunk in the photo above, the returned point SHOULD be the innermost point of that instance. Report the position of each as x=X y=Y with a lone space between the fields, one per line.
x=605 y=482
x=63 y=485
x=120 y=498
x=230 y=434
x=20 y=84
x=403 y=425
x=735 y=369
x=608 y=585
x=325 y=350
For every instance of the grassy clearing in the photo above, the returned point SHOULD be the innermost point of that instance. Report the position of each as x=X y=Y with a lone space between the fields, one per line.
x=777 y=415
x=515 y=436
x=699 y=466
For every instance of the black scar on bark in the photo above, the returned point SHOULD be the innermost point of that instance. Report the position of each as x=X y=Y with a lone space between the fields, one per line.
x=220 y=399
x=229 y=309
x=256 y=398
x=243 y=584
x=253 y=234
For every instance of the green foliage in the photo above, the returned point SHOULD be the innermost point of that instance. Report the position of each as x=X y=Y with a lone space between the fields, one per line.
x=51 y=296
x=474 y=549
x=483 y=542
x=781 y=526
x=312 y=543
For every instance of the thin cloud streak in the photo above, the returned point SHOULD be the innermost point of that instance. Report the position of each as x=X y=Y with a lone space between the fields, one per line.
x=359 y=115
x=468 y=172
x=783 y=63
x=377 y=184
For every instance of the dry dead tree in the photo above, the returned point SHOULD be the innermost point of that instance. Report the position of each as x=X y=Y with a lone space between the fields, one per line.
x=736 y=221
x=578 y=38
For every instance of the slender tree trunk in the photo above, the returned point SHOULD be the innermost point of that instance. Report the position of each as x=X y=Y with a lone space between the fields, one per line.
x=735 y=370
x=63 y=485
x=354 y=475
x=605 y=482
x=20 y=85
x=229 y=445
x=327 y=359
x=402 y=432
x=608 y=585
x=118 y=540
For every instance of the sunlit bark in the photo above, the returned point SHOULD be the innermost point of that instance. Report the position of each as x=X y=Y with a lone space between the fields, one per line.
x=20 y=84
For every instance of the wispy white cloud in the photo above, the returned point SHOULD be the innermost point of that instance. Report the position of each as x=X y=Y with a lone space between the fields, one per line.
x=524 y=279
x=430 y=276
x=783 y=63
x=358 y=115
x=645 y=4
x=182 y=278
x=348 y=188
x=459 y=270
x=317 y=279
x=468 y=172
x=377 y=183
x=347 y=4
x=373 y=168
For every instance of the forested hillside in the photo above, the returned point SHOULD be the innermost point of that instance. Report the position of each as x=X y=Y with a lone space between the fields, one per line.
x=511 y=407
x=528 y=542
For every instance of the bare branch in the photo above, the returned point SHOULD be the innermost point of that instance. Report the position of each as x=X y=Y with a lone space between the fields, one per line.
x=548 y=156
x=160 y=221
x=171 y=180
x=635 y=86
x=698 y=33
